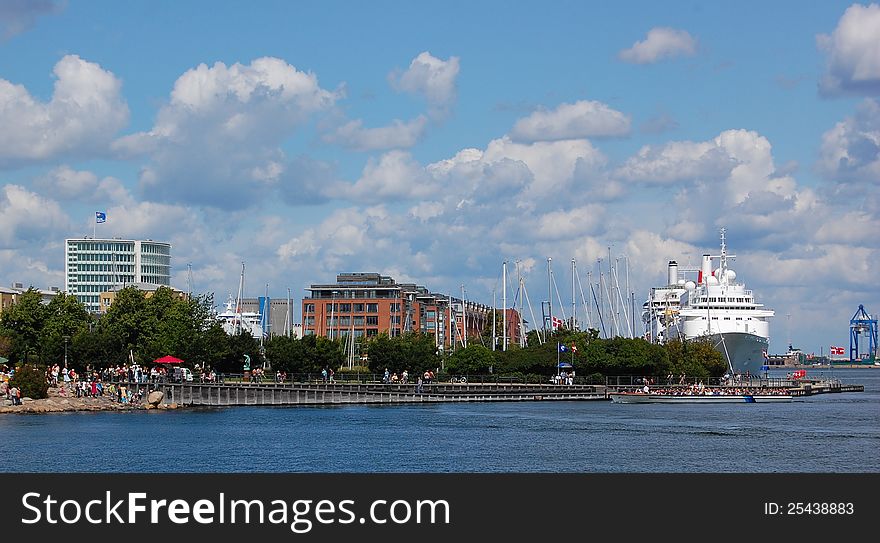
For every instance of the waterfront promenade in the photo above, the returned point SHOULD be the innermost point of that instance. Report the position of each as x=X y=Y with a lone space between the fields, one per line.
x=195 y=394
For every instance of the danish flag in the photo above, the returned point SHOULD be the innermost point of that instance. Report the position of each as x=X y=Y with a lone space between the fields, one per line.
x=556 y=322
x=837 y=350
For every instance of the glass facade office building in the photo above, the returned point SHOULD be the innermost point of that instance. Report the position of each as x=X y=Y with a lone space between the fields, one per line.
x=94 y=266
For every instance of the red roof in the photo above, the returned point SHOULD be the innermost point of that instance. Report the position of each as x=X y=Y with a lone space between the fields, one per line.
x=168 y=360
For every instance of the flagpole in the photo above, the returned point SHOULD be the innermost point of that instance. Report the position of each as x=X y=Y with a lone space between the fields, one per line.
x=557 y=359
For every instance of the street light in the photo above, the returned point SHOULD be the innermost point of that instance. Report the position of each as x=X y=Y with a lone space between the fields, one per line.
x=66 y=338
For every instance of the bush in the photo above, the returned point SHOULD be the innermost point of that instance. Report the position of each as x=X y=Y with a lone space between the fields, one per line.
x=31 y=380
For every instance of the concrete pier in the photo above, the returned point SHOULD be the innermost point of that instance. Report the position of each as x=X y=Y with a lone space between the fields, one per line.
x=233 y=394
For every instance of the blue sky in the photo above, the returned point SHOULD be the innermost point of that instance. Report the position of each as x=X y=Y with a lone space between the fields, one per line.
x=432 y=141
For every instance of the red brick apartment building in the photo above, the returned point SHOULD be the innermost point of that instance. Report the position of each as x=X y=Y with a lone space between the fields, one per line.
x=368 y=304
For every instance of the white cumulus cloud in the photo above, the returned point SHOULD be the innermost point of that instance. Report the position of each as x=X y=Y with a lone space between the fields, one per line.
x=582 y=119
x=660 y=43
x=397 y=135
x=394 y=176
x=850 y=151
x=433 y=78
x=217 y=140
x=27 y=217
x=82 y=117
x=853 y=52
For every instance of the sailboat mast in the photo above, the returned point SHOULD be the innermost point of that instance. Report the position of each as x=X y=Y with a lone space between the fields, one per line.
x=550 y=293
x=573 y=301
x=238 y=301
x=504 y=306
x=463 y=319
x=494 y=303
x=519 y=296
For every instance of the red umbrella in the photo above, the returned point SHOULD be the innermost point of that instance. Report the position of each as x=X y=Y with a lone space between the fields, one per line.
x=168 y=360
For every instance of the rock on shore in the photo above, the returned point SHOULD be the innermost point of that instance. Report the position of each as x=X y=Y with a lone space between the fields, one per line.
x=58 y=403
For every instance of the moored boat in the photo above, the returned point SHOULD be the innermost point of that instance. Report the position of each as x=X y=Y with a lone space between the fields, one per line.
x=641 y=397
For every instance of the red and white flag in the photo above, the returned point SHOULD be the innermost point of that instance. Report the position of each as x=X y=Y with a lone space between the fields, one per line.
x=837 y=350
x=556 y=322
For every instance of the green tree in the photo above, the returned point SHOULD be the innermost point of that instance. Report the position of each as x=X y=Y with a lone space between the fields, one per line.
x=473 y=359
x=31 y=380
x=23 y=324
x=124 y=326
x=411 y=351
x=65 y=317
x=695 y=358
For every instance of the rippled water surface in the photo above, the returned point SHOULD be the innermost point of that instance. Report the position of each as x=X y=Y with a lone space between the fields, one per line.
x=827 y=433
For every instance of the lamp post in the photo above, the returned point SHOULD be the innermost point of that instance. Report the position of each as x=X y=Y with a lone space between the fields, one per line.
x=66 y=338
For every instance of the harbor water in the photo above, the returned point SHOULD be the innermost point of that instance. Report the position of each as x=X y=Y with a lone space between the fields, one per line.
x=827 y=433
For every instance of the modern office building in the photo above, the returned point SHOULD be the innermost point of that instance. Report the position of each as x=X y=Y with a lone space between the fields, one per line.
x=369 y=304
x=94 y=266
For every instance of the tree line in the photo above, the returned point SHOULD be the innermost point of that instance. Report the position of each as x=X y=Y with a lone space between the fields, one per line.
x=144 y=328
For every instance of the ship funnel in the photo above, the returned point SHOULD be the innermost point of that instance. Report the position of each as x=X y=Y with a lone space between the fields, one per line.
x=673 y=273
x=706 y=269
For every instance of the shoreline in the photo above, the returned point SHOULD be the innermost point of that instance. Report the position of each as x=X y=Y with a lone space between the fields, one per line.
x=69 y=403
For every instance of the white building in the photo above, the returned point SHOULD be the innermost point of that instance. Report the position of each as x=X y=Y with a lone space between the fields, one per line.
x=93 y=266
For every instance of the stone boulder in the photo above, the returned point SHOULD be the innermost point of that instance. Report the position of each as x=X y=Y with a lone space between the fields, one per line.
x=155 y=397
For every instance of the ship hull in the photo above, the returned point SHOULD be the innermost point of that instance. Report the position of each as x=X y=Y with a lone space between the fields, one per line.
x=743 y=352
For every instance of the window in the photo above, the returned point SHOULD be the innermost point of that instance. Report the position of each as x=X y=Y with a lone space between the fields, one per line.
x=372 y=332
x=359 y=321
x=345 y=308
x=372 y=308
x=372 y=320
x=358 y=308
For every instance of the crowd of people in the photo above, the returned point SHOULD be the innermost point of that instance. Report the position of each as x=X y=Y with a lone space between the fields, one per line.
x=699 y=389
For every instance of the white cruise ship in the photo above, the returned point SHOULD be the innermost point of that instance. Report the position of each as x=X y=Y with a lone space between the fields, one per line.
x=714 y=307
x=235 y=321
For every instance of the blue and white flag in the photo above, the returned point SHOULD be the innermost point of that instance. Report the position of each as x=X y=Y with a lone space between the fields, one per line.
x=100 y=217
x=562 y=348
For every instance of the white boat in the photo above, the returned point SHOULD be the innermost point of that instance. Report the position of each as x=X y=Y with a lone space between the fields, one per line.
x=641 y=397
x=715 y=308
x=236 y=321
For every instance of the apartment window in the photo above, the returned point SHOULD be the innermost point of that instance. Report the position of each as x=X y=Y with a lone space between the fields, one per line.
x=371 y=332
x=372 y=308
x=372 y=320
x=345 y=308
x=359 y=321
x=358 y=308
x=431 y=314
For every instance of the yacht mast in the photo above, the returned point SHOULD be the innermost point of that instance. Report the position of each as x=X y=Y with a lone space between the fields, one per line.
x=573 y=302
x=503 y=306
x=549 y=294
x=238 y=301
